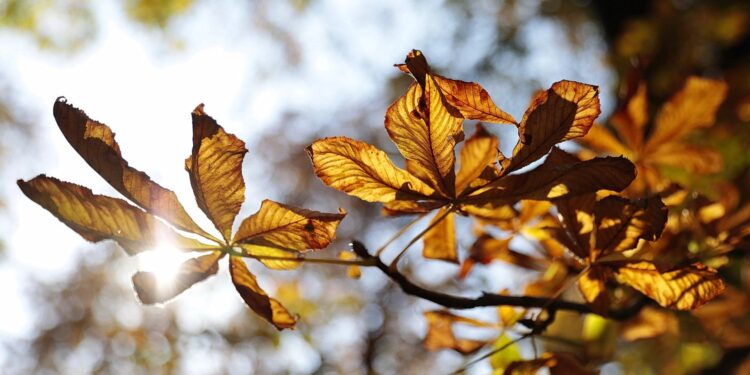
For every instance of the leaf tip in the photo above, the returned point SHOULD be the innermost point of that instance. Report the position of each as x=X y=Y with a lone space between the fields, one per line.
x=199 y=110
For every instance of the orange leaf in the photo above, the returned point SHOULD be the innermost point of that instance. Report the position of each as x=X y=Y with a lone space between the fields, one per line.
x=567 y=110
x=289 y=228
x=215 y=169
x=98 y=217
x=440 y=241
x=684 y=288
x=96 y=144
x=440 y=332
x=255 y=298
x=426 y=134
x=192 y=271
x=479 y=153
x=472 y=101
x=363 y=171
x=593 y=287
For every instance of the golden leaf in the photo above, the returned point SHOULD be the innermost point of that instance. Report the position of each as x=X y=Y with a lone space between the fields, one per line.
x=690 y=158
x=191 y=271
x=98 y=217
x=96 y=144
x=398 y=207
x=684 y=288
x=621 y=223
x=693 y=107
x=479 y=153
x=472 y=101
x=266 y=255
x=593 y=287
x=215 y=169
x=440 y=241
x=247 y=286
x=601 y=140
x=426 y=134
x=363 y=171
x=440 y=332
x=567 y=110
x=290 y=228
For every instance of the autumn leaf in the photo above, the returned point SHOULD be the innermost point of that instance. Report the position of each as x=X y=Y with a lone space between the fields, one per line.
x=440 y=332
x=98 y=217
x=478 y=156
x=96 y=144
x=192 y=271
x=440 y=241
x=247 y=286
x=215 y=169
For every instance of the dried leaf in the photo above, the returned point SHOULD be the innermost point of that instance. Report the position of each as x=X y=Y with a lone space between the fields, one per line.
x=440 y=241
x=440 y=332
x=289 y=228
x=577 y=215
x=621 y=223
x=96 y=144
x=593 y=287
x=363 y=171
x=472 y=101
x=215 y=168
x=98 y=217
x=567 y=110
x=684 y=288
x=192 y=271
x=479 y=153
x=255 y=298
x=426 y=134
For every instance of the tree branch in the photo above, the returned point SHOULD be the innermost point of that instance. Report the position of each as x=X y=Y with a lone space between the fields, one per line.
x=486 y=299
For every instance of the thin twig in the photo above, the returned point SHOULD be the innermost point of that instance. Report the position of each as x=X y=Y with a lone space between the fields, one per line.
x=434 y=223
x=398 y=234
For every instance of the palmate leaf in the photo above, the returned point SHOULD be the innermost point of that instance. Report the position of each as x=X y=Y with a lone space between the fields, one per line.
x=274 y=235
x=426 y=124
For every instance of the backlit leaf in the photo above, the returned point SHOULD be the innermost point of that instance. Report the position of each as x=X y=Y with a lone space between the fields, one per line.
x=96 y=144
x=567 y=110
x=440 y=332
x=192 y=271
x=215 y=169
x=269 y=256
x=440 y=241
x=255 y=298
x=593 y=287
x=480 y=151
x=98 y=217
x=691 y=158
x=426 y=134
x=684 y=288
x=473 y=101
x=363 y=171
x=290 y=228
x=621 y=223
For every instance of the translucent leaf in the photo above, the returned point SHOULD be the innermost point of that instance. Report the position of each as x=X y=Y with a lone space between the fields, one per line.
x=479 y=153
x=621 y=223
x=440 y=241
x=363 y=171
x=255 y=298
x=215 y=169
x=192 y=271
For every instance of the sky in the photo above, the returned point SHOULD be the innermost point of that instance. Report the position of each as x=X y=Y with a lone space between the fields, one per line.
x=145 y=90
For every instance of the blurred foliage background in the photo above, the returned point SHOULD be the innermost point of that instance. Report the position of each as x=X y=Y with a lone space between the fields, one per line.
x=87 y=320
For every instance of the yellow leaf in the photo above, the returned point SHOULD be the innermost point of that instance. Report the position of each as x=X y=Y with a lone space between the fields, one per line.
x=479 y=153
x=440 y=332
x=489 y=212
x=567 y=110
x=353 y=272
x=559 y=177
x=684 y=288
x=472 y=101
x=593 y=287
x=192 y=271
x=693 y=107
x=396 y=208
x=440 y=241
x=621 y=223
x=426 y=134
x=265 y=255
x=363 y=171
x=215 y=169
x=290 y=228
x=96 y=144
x=98 y=217
x=255 y=298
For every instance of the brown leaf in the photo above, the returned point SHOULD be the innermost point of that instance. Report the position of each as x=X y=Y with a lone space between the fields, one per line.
x=567 y=110
x=289 y=228
x=192 y=271
x=593 y=286
x=479 y=153
x=255 y=298
x=693 y=107
x=440 y=332
x=96 y=144
x=684 y=288
x=559 y=179
x=472 y=101
x=632 y=118
x=363 y=171
x=215 y=169
x=440 y=241
x=649 y=323
x=621 y=223
x=487 y=249
x=426 y=134
x=98 y=217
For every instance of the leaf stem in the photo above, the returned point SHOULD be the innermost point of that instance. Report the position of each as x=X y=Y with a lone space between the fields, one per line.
x=398 y=234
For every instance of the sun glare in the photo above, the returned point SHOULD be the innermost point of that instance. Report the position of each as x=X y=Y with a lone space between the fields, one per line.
x=164 y=261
